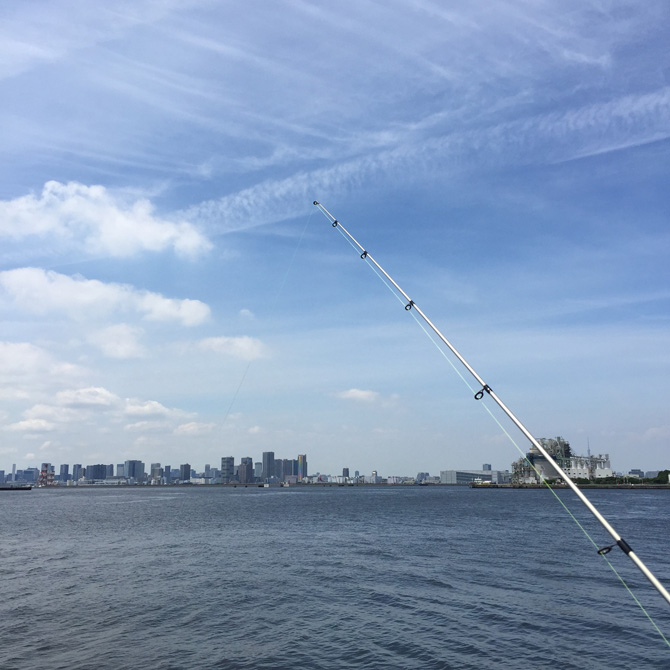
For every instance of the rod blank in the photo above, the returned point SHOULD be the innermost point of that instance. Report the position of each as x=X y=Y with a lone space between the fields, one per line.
x=485 y=388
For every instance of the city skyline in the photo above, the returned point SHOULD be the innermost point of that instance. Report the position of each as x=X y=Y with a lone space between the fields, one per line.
x=248 y=471
x=168 y=288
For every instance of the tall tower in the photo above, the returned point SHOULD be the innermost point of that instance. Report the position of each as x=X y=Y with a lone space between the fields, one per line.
x=245 y=472
x=268 y=464
x=302 y=466
x=227 y=469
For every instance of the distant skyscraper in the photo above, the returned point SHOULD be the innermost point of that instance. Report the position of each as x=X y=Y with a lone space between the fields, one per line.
x=345 y=472
x=121 y=470
x=96 y=472
x=135 y=470
x=268 y=464
x=64 y=472
x=185 y=472
x=77 y=472
x=258 y=470
x=110 y=470
x=302 y=466
x=227 y=469
x=486 y=466
x=156 y=473
x=245 y=471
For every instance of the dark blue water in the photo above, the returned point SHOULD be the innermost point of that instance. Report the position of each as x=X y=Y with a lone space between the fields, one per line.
x=384 y=577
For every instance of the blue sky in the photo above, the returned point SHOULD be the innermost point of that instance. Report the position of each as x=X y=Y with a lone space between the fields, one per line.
x=168 y=291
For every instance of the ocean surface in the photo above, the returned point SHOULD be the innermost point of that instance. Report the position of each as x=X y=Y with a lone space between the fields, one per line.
x=332 y=577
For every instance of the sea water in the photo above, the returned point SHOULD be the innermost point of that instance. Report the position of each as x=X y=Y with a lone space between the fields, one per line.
x=327 y=577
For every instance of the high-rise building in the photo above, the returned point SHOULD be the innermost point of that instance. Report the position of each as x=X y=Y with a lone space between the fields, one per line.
x=120 y=469
x=227 y=469
x=167 y=473
x=185 y=472
x=345 y=472
x=245 y=471
x=156 y=473
x=302 y=466
x=279 y=469
x=135 y=470
x=268 y=465
x=46 y=475
x=110 y=470
x=64 y=472
x=77 y=472
x=98 y=471
x=31 y=474
x=258 y=470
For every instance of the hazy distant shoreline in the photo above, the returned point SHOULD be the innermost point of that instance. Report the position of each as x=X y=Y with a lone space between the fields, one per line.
x=124 y=487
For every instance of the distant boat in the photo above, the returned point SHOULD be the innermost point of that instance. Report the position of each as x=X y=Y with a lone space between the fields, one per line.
x=18 y=487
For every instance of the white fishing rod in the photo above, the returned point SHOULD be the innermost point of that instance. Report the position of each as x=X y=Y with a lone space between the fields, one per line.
x=485 y=388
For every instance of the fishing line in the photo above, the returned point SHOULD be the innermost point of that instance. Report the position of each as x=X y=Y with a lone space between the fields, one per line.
x=273 y=305
x=412 y=308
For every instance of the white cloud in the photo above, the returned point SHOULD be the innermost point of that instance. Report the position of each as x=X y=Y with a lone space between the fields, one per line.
x=28 y=369
x=194 y=428
x=32 y=426
x=45 y=292
x=145 y=408
x=55 y=414
x=246 y=348
x=576 y=132
x=87 y=397
x=254 y=430
x=158 y=308
x=118 y=341
x=89 y=216
x=146 y=426
x=656 y=433
x=358 y=395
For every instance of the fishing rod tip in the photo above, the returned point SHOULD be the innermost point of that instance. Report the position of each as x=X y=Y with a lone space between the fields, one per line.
x=316 y=202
